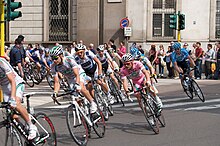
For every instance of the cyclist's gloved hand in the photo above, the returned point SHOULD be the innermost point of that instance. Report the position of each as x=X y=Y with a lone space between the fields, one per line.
x=100 y=76
x=77 y=86
x=196 y=68
x=12 y=102
x=54 y=94
x=180 y=75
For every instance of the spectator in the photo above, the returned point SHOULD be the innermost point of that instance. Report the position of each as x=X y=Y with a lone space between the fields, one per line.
x=186 y=46
x=141 y=49
x=16 y=57
x=122 y=49
x=209 y=58
x=111 y=42
x=7 y=51
x=198 y=62
x=153 y=56
x=216 y=75
x=23 y=52
x=168 y=62
x=161 y=54
x=91 y=48
x=73 y=46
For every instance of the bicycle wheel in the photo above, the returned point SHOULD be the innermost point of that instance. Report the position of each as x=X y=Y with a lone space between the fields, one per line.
x=28 y=79
x=161 y=119
x=50 y=81
x=188 y=90
x=197 y=90
x=99 y=125
x=118 y=95
x=119 y=80
x=101 y=102
x=77 y=126
x=149 y=114
x=12 y=137
x=36 y=77
x=48 y=128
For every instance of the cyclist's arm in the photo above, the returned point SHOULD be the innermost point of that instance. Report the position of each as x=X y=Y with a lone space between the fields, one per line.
x=176 y=67
x=99 y=65
x=152 y=70
x=13 y=84
x=147 y=75
x=191 y=60
x=76 y=73
x=125 y=84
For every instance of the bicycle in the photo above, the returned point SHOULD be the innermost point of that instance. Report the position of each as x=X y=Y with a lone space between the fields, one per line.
x=80 y=121
x=102 y=100
x=151 y=110
x=15 y=129
x=114 y=89
x=191 y=87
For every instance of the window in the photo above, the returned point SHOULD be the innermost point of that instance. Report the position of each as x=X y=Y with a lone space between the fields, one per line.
x=58 y=20
x=162 y=9
x=217 y=28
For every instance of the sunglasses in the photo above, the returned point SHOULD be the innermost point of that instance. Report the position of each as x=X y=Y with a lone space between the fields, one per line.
x=127 y=63
x=55 y=57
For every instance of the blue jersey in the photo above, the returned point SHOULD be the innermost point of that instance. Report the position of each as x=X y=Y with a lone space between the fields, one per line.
x=135 y=52
x=179 y=58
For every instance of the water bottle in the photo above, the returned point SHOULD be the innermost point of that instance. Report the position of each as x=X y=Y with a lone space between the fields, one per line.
x=31 y=110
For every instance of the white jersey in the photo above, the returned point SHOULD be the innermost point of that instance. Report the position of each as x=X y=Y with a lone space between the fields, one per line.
x=66 y=68
x=6 y=68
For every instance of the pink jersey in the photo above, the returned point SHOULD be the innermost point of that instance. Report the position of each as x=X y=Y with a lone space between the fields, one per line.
x=135 y=73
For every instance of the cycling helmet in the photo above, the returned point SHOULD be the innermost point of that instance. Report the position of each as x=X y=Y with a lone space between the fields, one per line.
x=127 y=57
x=56 y=50
x=101 y=48
x=47 y=50
x=176 y=45
x=80 y=47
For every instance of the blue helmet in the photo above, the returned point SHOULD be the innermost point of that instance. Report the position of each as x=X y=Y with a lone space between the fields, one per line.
x=176 y=46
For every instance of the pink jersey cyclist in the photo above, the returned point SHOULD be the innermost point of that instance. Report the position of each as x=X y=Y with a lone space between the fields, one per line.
x=135 y=73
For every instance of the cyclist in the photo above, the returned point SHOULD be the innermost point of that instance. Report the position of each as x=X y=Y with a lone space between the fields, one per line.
x=72 y=71
x=13 y=88
x=107 y=64
x=148 y=66
x=140 y=77
x=180 y=59
x=89 y=63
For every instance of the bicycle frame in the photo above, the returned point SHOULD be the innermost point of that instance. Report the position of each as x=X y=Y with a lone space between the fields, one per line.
x=80 y=110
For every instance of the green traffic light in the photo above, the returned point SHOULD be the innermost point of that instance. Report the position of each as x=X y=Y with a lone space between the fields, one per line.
x=181 y=25
x=173 y=21
x=10 y=14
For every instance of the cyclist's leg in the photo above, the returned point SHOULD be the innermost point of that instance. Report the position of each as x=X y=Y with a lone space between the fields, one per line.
x=22 y=110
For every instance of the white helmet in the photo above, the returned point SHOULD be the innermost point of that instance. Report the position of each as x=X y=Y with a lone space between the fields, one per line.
x=56 y=50
x=80 y=47
x=101 y=48
x=127 y=57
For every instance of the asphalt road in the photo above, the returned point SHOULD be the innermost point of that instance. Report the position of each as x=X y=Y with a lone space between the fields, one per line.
x=189 y=122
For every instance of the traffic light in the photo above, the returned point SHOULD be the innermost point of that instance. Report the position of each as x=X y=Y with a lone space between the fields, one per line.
x=9 y=8
x=181 y=22
x=173 y=21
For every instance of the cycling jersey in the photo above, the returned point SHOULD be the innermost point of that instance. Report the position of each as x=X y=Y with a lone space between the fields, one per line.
x=135 y=73
x=179 y=58
x=47 y=59
x=104 y=60
x=35 y=54
x=66 y=68
x=6 y=68
x=87 y=63
x=145 y=61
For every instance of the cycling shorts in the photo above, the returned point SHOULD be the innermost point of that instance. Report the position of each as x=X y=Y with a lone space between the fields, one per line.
x=7 y=91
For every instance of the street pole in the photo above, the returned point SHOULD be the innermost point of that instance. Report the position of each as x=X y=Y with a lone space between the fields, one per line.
x=178 y=34
x=2 y=41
